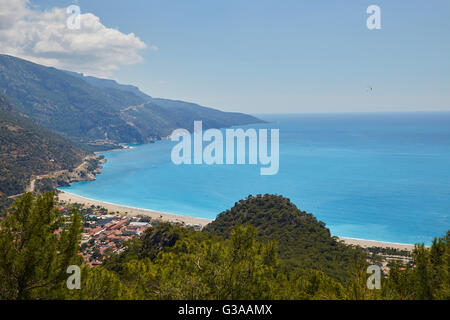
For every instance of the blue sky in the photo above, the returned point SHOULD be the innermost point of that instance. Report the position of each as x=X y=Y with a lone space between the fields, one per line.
x=285 y=56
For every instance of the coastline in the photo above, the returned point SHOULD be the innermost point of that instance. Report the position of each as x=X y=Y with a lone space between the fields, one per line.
x=132 y=211
x=171 y=217
x=374 y=243
x=123 y=147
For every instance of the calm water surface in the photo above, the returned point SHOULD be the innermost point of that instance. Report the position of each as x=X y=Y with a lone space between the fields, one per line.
x=373 y=176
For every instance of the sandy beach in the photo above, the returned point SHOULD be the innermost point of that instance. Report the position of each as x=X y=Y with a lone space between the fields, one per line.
x=372 y=243
x=171 y=217
x=112 y=207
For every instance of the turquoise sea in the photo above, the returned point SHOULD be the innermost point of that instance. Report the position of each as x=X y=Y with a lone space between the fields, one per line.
x=377 y=176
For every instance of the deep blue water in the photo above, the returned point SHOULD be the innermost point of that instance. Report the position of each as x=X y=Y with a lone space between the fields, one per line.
x=373 y=176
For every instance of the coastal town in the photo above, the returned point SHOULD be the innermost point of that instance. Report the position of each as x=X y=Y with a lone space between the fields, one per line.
x=105 y=233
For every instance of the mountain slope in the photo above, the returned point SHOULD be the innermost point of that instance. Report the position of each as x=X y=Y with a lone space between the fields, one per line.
x=93 y=110
x=63 y=103
x=161 y=116
x=302 y=240
x=108 y=83
x=26 y=149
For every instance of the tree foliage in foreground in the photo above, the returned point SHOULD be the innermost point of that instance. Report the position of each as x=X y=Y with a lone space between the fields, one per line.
x=171 y=262
x=33 y=256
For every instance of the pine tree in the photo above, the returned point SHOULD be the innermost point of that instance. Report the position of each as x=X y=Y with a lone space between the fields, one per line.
x=36 y=247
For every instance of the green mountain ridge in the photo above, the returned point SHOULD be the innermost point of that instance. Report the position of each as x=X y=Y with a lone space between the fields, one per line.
x=108 y=83
x=93 y=110
x=27 y=149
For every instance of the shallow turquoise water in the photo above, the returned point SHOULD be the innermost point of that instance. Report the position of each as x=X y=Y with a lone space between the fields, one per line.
x=373 y=176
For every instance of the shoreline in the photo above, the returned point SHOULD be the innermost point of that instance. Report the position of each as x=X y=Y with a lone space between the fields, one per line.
x=172 y=217
x=375 y=243
x=132 y=211
x=124 y=147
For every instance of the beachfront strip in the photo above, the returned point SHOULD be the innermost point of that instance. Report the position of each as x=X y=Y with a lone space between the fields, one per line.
x=105 y=234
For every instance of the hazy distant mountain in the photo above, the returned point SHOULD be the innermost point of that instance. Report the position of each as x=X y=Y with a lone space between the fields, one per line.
x=89 y=109
x=161 y=116
x=27 y=149
x=107 y=83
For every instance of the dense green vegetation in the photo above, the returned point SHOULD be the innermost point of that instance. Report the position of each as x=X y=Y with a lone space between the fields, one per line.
x=172 y=262
x=63 y=103
x=389 y=251
x=34 y=257
x=302 y=240
x=87 y=109
x=27 y=149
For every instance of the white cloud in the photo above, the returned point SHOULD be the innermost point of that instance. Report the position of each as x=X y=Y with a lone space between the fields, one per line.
x=11 y=12
x=44 y=37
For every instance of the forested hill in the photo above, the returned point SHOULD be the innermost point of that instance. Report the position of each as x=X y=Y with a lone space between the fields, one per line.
x=302 y=240
x=92 y=110
x=27 y=149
